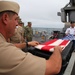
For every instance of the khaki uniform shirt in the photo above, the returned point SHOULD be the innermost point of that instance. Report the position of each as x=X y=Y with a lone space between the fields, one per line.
x=16 y=38
x=21 y=30
x=14 y=61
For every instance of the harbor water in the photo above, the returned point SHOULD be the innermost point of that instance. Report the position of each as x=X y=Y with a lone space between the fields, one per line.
x=44 y=34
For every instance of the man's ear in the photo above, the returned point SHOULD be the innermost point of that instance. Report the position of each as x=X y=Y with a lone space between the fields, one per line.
x=5 y=18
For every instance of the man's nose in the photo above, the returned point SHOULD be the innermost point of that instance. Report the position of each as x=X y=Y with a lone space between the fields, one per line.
x=16 y=23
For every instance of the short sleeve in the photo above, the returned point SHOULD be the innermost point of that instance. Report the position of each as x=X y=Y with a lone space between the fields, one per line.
x=67 y=31
x=18 y=62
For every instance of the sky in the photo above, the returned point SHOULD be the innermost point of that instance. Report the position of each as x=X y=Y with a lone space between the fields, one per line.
x=42 y=13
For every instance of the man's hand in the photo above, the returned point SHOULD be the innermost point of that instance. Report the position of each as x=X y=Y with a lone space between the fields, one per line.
x=58 y=48
x=33 y=43
x=54 y=63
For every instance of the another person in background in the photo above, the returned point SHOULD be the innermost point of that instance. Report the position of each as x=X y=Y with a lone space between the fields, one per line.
x=13 y=61
x=20 y=30
x=18 y=38
x=70 y=32
x=29 y=32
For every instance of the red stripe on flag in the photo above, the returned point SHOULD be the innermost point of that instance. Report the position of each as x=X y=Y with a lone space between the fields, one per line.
x=64 y=42
x=49 y=42
x=47 y=48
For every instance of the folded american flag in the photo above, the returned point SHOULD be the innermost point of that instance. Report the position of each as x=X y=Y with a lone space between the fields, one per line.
x=49 y=46
x=69 y=37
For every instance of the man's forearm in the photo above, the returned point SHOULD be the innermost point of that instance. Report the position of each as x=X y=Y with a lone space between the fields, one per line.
x=54 y=63
x=20 y=45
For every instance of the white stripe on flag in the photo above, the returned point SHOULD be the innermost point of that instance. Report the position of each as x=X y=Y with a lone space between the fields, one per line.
x=39 y=46
x=66 y=44
x=56 y=43
x=51 y=49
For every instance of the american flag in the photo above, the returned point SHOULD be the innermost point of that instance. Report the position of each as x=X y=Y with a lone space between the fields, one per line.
x=69 y=37
x=49 y=46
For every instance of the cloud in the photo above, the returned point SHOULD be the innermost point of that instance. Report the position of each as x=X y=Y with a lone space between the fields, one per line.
x=41 y=12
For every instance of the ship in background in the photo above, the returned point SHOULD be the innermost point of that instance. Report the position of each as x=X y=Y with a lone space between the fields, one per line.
x=67 y=15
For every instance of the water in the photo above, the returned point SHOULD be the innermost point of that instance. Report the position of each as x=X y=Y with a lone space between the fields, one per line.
x=44 y=34
x=48 y=30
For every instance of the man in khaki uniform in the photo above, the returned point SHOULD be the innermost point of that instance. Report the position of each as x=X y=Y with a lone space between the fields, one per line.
x=16 y=38
x=20 y=30
x=13 y=61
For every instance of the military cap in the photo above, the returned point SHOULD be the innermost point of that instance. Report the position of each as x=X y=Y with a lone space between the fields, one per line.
x=29 y=22
x=9 y=6
x=20 y=22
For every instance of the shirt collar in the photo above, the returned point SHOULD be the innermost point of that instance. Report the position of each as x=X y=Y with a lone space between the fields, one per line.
x=2 y=37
